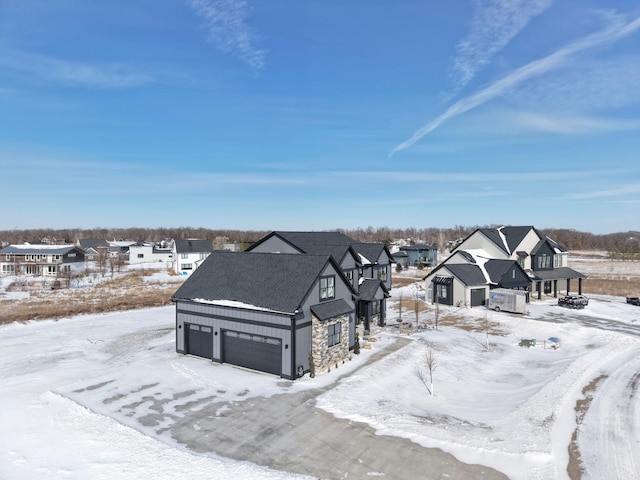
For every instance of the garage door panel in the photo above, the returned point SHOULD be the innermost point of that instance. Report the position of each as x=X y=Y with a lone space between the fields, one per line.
x=199 y=340
x=477 y=297
x=252 y=351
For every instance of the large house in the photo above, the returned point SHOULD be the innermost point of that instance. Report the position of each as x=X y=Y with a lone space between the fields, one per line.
x=366 y=266
x=40 y=260
x=515 y=257
x=416 y=255
x=188 y=255
x=267 y=312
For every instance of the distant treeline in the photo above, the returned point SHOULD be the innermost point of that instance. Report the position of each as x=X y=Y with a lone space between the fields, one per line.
x=615 y=243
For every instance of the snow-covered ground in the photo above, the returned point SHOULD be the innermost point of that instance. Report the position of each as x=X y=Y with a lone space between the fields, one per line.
x=95 y=396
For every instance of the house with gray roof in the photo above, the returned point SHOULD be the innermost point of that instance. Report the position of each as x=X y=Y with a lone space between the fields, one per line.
x=39 y=260
x=419 y=254
x=189 y=254
x=272 y=313
x=518 y=257
x=358 y=261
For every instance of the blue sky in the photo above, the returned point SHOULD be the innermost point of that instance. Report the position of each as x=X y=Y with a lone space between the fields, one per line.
x=313 y=115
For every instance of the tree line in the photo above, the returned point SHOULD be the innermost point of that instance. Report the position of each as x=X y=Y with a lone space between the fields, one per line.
x=623 y=243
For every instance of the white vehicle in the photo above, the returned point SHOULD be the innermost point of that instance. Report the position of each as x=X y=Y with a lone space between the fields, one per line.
x=506 y=300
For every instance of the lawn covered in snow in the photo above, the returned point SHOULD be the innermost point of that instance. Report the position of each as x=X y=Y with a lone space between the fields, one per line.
x=96 y=396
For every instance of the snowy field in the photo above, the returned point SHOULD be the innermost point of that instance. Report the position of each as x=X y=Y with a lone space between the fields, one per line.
x=96 y=396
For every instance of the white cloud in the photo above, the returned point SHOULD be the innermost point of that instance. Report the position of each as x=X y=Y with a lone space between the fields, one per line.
x=71 y=74
x=494 y=24
x=225 y=21
x=572 y=124
x=631 y=189
x=556 y=60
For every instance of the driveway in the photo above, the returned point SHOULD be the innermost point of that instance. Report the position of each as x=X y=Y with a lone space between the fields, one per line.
x=288 y=433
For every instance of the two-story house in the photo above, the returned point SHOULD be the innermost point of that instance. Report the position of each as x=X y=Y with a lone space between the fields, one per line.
x=419 y=254
x=188 y=255
x=267 y=312
x=516 y=257
x=366 y=266
x=39 y=259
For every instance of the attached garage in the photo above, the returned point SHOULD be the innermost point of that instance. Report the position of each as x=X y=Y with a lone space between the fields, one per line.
x=199 y=340
x=252 y=351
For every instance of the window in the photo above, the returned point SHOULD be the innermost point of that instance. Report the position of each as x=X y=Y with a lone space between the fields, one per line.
x=71 y=255
x=52 y=269
x=349 y=276
x=55 y=257
x=327 y=288
x=333 y=333
x=184 y=255
x=8 y=257
x=557 y=261
x=441 y=291
x=544 y=261
x=186 y=266
x=8 y=269
x=382 y=273
x=141 y=255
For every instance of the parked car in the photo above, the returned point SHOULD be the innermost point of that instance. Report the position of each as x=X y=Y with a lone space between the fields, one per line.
x=634 y=301
x=573 y=301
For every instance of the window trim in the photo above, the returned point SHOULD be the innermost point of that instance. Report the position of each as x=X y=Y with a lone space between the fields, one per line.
x=328 y=292
x=334 y=334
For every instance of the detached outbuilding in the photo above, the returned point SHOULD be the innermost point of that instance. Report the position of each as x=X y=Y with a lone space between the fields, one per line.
x=267 y=312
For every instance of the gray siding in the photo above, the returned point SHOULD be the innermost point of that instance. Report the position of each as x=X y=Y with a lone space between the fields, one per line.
x=227 y=318
x=274 y=245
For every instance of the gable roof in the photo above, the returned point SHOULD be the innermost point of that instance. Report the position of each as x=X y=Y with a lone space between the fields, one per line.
x=93 y=243
x=371 y=251
x=278 y=282
x=469 y=274
x=327 y=310
x=193 y=246
x=299 y=240
x=369 y=287
x=506 y=238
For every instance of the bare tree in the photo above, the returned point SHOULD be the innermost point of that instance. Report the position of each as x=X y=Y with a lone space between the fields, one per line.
x=400 y=309
x=437 y=309
x=416 y=306
x=430 y=360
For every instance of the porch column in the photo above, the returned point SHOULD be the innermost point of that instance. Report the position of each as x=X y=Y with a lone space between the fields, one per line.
x=568 y=285
x=579 y=286
x=539 y=284
x=555 y=289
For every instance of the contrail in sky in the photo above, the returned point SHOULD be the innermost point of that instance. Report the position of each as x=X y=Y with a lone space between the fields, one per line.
x=532 y=69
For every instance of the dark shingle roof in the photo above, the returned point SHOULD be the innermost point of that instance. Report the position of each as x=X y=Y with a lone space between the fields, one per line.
x=94 y=243
x=338 y=252
x=370 y=251
x=369 y=287
x=327 y=310
x=556 y=274
x=271 y=281
x=498 y=270
x=468 y=274
x=193 y=246
x=315 y=238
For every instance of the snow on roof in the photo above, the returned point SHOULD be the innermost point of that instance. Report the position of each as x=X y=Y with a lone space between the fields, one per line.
x=236 y=304
x=481 y=257
x=364 y=260
x=504 y=240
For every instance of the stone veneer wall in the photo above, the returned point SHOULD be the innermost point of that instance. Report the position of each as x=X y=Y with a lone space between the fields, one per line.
x=325 y=357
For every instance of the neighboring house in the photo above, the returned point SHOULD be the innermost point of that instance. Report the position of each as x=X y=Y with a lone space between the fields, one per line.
x=358 y=261
x=420 y=254
x=188 y=255
x=400 y=258
x=93 y=248
x=120 y=248
x=39 y=260
x=147 y=252
x=519 y=257
x=271 y=313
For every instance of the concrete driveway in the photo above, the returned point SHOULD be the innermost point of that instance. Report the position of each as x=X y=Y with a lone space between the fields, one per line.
x=288 y=433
